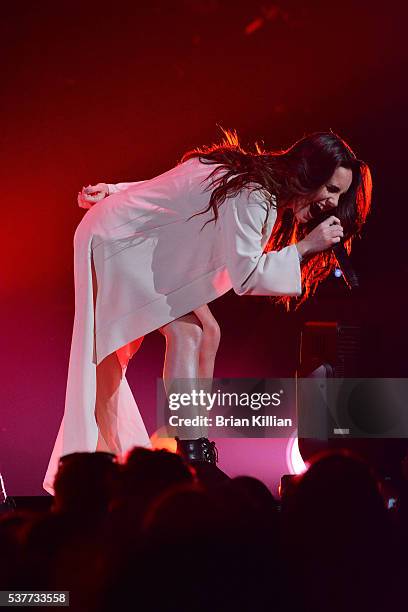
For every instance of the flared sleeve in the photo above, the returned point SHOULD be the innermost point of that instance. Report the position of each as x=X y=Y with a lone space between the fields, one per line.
x=253 y=272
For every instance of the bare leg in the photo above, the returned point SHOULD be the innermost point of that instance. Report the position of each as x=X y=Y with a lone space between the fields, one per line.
x=120 y=424
x=108 y=377
x=191 y=345
x=183 y=340
x=208 y=349
x=209 y=342
x=181 y=365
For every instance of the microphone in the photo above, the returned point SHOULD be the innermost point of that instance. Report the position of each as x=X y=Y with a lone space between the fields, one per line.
x=344 y=263
x=342 y=257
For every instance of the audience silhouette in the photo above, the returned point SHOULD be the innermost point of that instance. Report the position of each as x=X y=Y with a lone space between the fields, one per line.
x=151 y=532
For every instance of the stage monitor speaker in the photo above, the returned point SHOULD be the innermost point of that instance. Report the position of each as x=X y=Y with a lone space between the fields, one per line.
x=332 y=350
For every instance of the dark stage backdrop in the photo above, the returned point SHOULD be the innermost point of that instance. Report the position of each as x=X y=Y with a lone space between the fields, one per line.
x=93 y=92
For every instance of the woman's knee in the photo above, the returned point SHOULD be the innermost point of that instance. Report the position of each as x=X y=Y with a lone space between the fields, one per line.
x=185 y=329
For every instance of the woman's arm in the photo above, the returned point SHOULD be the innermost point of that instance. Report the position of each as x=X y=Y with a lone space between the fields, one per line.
x=115 y=187
x=251 y=271
x=94 y=193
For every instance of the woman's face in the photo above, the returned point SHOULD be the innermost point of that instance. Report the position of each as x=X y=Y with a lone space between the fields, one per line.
x=326 y=198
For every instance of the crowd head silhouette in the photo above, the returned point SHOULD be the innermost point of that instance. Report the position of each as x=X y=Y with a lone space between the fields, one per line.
x=151 y=532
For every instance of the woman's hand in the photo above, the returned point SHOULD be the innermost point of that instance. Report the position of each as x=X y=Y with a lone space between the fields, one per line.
x=322 y=237
x=92 y=194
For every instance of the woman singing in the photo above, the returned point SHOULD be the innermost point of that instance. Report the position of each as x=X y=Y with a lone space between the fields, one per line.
x=150 y=255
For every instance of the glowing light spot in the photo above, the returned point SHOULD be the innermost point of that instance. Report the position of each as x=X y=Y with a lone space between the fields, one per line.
x=294 y=460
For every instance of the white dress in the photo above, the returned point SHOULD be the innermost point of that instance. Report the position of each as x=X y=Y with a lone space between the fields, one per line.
x=139 y=263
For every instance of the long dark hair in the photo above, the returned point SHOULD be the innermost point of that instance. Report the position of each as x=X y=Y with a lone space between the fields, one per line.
x=288 y=174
